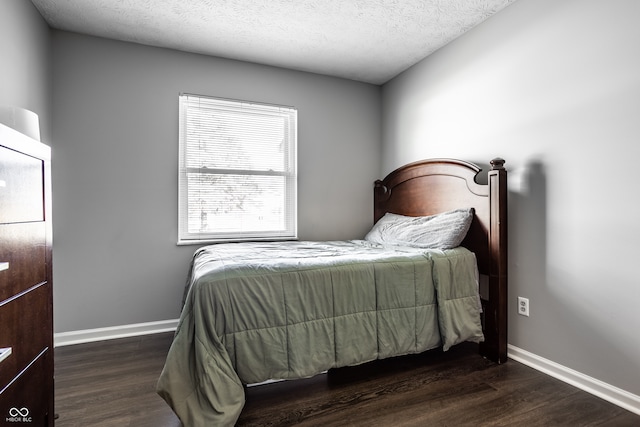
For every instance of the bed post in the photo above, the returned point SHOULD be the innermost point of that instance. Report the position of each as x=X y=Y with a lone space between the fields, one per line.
x=495 y=315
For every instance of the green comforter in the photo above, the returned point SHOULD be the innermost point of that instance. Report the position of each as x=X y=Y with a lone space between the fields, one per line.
x=259 y=311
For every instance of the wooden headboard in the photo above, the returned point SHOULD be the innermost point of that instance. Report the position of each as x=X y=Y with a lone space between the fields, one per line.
x=434 y=186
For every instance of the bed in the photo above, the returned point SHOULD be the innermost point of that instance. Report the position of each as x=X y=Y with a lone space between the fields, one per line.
x=258 y=311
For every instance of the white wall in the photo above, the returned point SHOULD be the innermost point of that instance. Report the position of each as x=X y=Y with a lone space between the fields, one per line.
x=554 y=88
x=25 y=61
x=115 y=139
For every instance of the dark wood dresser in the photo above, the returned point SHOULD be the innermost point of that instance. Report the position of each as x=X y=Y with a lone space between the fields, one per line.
x=26 y=302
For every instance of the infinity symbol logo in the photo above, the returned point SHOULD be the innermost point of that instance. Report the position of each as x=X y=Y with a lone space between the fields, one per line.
x=14 y=412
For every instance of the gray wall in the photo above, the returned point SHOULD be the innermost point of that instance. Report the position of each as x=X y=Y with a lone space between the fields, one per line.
x=25 y=69
x=115 y=134
x=554 y=88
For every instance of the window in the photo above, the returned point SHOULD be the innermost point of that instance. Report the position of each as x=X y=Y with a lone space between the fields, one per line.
x=237 y=171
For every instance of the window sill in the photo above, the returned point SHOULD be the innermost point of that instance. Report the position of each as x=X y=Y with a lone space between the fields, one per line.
x=214 y=241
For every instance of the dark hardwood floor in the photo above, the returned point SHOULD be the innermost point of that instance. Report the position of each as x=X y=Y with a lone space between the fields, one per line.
x=112 y=383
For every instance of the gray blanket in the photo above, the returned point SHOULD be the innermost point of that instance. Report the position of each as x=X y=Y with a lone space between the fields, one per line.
x=259 y=311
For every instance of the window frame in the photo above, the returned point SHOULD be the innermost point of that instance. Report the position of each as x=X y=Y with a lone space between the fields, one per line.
x=290 y=231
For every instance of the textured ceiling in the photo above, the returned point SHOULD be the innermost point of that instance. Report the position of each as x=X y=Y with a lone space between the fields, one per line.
x=366 y=40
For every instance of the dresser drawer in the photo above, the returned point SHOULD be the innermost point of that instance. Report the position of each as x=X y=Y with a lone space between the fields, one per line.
x=26 y=401
x=21 y=187
x=26 y=329
x=22 y=257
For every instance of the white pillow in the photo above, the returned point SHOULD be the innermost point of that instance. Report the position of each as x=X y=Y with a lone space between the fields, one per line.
x=442 y=231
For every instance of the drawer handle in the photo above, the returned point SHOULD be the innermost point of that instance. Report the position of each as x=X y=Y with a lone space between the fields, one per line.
x=4 y=353
x=4 y=266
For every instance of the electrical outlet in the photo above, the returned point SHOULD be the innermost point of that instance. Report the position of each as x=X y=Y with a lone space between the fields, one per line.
x=523 y=306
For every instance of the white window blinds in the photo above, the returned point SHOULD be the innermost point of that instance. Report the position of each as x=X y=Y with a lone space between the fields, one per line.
x=237 y=170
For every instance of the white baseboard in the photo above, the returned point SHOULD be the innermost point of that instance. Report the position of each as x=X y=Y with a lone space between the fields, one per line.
x=615 y=395
x=101 y=334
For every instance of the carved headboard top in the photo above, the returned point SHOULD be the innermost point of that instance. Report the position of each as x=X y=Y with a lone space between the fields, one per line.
x=433 y=186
